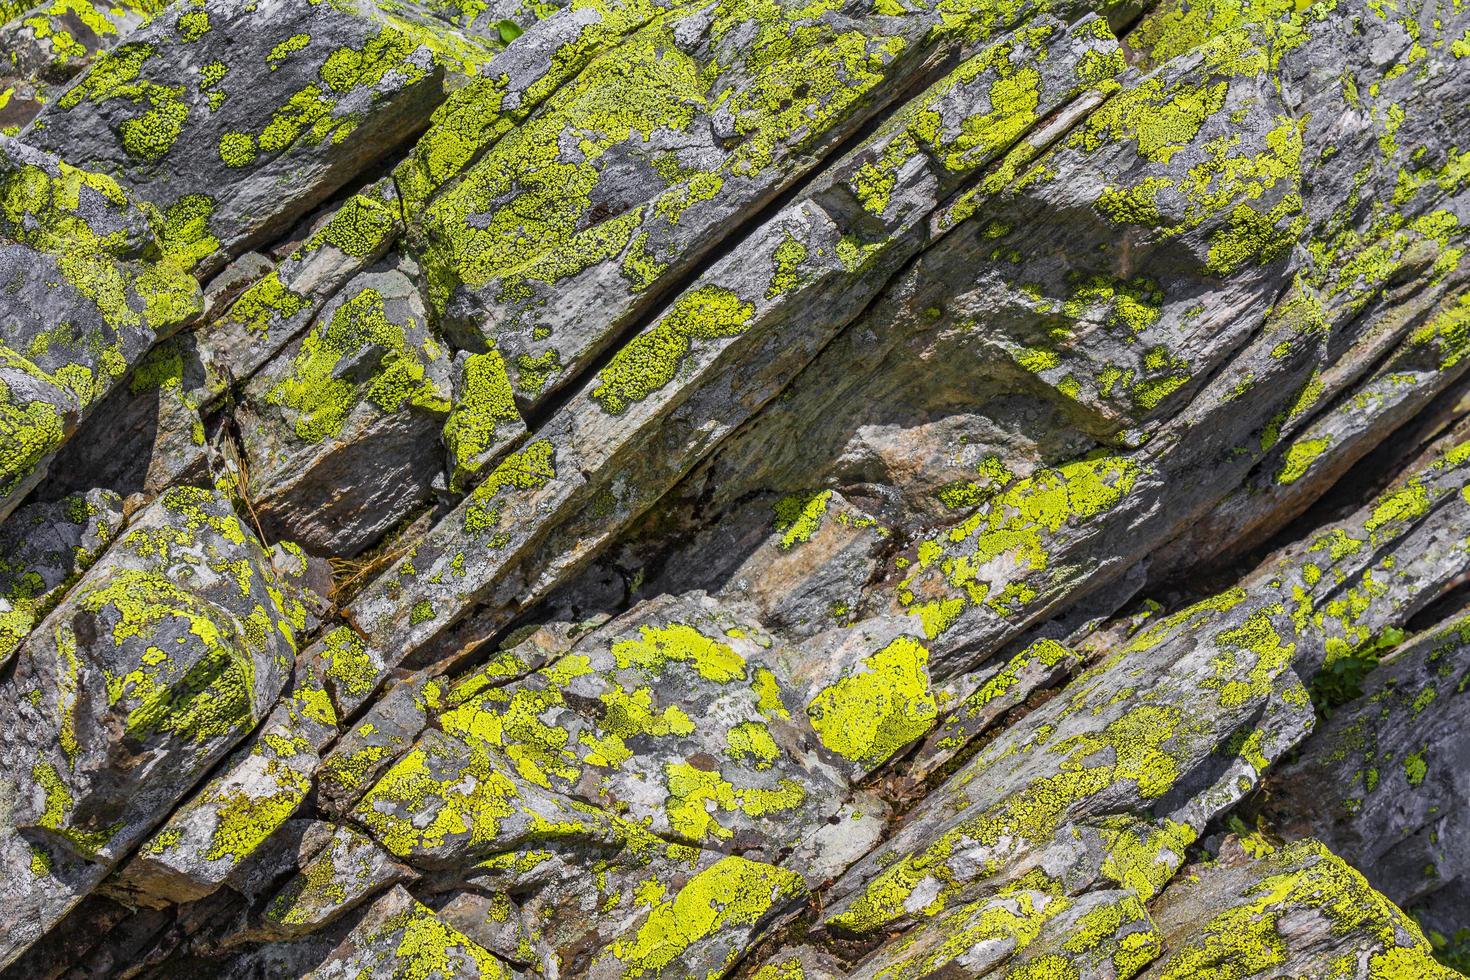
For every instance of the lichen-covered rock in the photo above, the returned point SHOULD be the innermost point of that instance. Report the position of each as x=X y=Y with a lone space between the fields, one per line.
x=147 y=434
x=799 y=963
x=269 y=312
x=344 y=873
x=1298 y=912
x=233 y=119
x=452 y=801
x=696 y=125
x=1380 y=782
x=861 y=488
x=401 y=938
x=89 y=286
x=484 y=422
x=613 y=722
x=365 y=751
x=701 y=927
x=367 y=387
x=222 y=826
x=1190 y=713
x=45 y=546
x=49 y=43
x=704 y=366
x=1027 y=930
x=165 y=654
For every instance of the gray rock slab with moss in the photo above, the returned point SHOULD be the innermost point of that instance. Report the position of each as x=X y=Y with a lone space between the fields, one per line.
x=89 y=286
x=733 y=489
x=1383 y=777
x=165 y=654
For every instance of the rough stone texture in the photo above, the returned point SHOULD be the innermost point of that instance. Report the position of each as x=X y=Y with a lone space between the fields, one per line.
x=49 y=44
x=366 y=386
x=90 y=284
x=1384 y=774
x=46 y=545
x=1299 y=911
x=164 y=654
x=697 y=488
x=232 y=139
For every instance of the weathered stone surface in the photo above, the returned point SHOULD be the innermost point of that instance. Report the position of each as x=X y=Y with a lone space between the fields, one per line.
x=45 y=546
x=1380 y=782
x=224 y=824
x=235 y=118
x=88 y=288
x=166 y=653
x=494 y=921
x=386 y=731
x=696 y=126
x=367 y=386
x=401 y=938
x=1298 y=912
x=50 y=43
x=664 y=400
x=345 y=872
x=613 y=723
x=149 y=433
x=729 y=488
x=1139 y=753
x=800 y=963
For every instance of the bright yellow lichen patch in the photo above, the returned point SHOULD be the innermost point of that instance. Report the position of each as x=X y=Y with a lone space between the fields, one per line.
x=733 y=893
x=713 y=660
x=869 y=715
x=1250 y=938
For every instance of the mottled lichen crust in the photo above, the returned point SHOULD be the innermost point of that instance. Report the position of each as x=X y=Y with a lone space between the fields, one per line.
x=484 y=420
x=348 y=868
x=301 y=100
x=1382 y=767
x=1144 y=718
x=168 y=651
x=46 y=44
x=369 y=379
x=90 y=284
x=399 y=937
x=270 y=312
x=226 y=823
x=732 y=892
x=762 y=447
x=699 y=359
x=45 y=547
x=611 y=724
x=683 y=131
x=1301 y=905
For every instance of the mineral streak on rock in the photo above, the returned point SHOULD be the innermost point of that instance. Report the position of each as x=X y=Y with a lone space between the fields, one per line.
x=734 y=488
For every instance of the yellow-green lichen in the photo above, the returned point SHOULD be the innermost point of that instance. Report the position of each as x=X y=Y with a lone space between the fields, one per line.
x=733 y=893
x=799 y=515
x=651 y=360
x=527 y=470
x=657 y=646
x=869 y=715
x=485 y=405
x=320 y=398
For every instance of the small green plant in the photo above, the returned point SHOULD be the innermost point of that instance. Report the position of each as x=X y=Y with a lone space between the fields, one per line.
x=1341 y=679
x=1452 y=951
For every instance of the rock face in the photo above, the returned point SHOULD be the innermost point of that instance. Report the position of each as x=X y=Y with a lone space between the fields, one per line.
x=647 y=488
